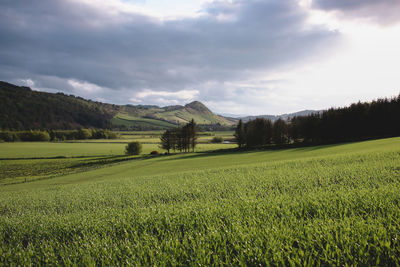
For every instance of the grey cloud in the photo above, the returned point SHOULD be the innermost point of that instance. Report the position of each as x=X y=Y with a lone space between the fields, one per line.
x=51 y=42
x=385 y=12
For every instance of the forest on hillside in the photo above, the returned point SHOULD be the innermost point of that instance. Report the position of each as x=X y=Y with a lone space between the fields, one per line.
x=22 y=109
x=359 y=121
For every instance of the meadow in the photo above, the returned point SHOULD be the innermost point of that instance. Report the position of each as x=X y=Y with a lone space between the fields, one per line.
x=28 y=161
x=322 y=205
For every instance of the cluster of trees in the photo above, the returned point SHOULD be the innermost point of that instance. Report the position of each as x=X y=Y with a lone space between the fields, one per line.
x=261 y=132
x=81 y=134
x=215 y=127
x=56 y=135
x=182 y=138
x=9 y=136
x=360 y=121
x=137 y=127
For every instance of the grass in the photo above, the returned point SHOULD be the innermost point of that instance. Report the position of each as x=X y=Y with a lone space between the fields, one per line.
x=30 y=150
x=153 y=137
x=58 y=149
x=325 y=205
x=29 y=161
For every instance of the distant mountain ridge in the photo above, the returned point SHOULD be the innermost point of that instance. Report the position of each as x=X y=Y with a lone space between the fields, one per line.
x=285 y=117
x=21 y=108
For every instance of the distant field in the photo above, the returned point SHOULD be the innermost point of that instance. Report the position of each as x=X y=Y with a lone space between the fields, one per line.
x=55 y=149
x=129 y=121
x=153 y=137
x=81 y=149
x=324 y=205
x=27 y=161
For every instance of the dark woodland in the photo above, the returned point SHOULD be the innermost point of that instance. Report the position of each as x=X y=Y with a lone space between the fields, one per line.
x=360 y=121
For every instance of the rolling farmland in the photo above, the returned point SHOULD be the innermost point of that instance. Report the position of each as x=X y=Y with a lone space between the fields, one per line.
x=332 y=205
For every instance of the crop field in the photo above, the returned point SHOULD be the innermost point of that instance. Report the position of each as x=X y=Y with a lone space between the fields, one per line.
x=28 y=161
x=323 y=205
x=81 y=149
x=151 y=137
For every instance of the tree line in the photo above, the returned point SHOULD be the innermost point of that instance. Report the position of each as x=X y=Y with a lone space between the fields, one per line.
x=56 y=135
x=182 y=138
x=360 y=121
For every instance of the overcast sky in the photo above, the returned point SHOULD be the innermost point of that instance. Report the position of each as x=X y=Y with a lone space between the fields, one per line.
x=236 y=56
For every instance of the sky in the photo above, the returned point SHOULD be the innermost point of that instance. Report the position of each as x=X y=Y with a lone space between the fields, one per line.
x=247 y=57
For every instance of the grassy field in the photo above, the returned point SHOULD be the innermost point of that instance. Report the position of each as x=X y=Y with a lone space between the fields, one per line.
x=28 y=161
x=325 y=205
x=82 y=149
x=153 y=137
x=129 y=121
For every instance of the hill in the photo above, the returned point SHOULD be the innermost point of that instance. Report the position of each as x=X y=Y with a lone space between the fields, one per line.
x=22 y=108
x=154 y=117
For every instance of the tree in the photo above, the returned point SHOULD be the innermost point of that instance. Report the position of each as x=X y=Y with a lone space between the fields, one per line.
x=84 y=134
x=192 y=131
x=279 y=135
x=133 y=148
x=258 y=132
x=168 y=140
x=217 y=139
x=240 y=134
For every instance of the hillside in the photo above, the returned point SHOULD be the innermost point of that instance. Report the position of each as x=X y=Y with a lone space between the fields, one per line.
x=22 y=108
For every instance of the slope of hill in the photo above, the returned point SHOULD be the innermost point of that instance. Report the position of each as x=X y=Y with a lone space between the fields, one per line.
x=22 y=109
x=196 y=110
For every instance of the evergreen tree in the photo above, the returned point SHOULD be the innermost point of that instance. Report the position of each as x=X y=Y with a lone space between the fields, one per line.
x=258 y=132
x=192 y=131
x=279 y=135
x=167 y=140
x=240 y=134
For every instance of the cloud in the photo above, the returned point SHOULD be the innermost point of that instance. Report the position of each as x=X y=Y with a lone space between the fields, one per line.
x=115 y=51
x=85 y=86
x=385 y=12
x=184 y=94
x=165 y=97
x=27 y=82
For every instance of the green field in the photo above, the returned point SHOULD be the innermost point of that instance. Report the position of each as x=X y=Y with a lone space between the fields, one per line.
x=28 y=161
x=153 y=137
x=324 y=205
x=129 y=121
x=82 y=149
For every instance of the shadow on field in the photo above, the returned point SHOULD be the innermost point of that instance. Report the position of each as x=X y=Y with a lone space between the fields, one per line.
x=99 y=161
x=236 y=151
x=311 y=148
x=57 y=157
x=204 y=154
